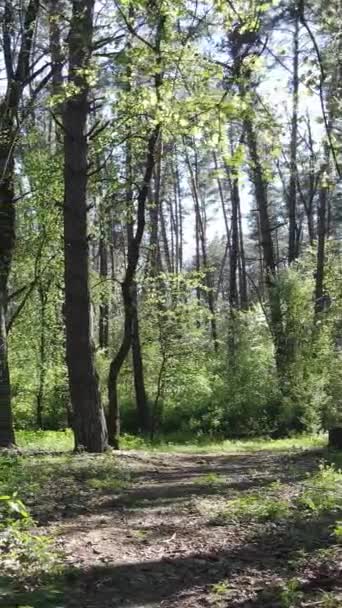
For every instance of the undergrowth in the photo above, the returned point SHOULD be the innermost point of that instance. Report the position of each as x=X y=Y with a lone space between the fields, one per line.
x=60 y=441
x=319 y=493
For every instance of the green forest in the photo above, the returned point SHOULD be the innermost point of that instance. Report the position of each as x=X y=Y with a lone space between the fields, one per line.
x=170 y=303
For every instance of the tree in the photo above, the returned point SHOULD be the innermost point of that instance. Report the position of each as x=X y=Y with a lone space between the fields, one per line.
x=89 y=420
x=19 y=75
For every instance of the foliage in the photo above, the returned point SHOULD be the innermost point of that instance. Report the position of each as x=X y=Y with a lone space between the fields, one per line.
x=319 y=494
x=322 y=491
x=261 y=506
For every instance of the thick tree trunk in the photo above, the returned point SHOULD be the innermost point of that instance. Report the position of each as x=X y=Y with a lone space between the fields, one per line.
x=335 y=438
x=89 y=421
x=7 y=241
x=7 y=438
x=16 y=81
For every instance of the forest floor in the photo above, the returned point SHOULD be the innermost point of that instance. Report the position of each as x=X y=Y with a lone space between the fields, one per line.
x=190 y=530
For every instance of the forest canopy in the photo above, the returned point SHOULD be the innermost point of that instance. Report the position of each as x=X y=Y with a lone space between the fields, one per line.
x=170 y=218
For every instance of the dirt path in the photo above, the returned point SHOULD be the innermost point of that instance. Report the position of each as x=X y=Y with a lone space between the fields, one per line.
x=156 y=541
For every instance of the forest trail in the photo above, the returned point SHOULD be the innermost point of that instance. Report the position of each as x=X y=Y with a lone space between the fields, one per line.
x=158 y=539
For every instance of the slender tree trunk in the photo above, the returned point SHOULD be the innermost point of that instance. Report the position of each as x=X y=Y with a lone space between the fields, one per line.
x=176 y=214
x=138 y=368
x=292 y=194
x=322 y=232
x=154 y=251
x=43 y=297
x=180 y=214
x=222 y=200
x=233 y=290
x=104 y=306
x=133 y=253
x=89 y=421
x=201 y=236
x=128 y=300
x=267 y=246
x=243 y=273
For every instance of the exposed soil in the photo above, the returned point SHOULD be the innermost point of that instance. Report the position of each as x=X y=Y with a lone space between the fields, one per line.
x=156 y=541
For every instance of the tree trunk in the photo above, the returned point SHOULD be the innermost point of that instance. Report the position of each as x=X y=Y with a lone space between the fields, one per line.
x=7 y=241
x=201 y=240
x=138 y=369
x=133 y=252
x=320 y=265
x=132 y=304
x=89 y=421
x=17 y=77
x=7 y=438
x=267 y=247
x=42 y=292
x=127 y=295
x=233 y=291
x=335 y=438
x=242 y=270
x=104 y=306
x=292 y=194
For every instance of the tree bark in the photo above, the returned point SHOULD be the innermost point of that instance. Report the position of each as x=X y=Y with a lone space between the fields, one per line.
x=89 y=421
x=234 y=253
x=201 y=240
x=242 y=268
x=138 y=368
x=320 y=264
x=17 y=79
x=43 y=298
x=104 y=306
x=292 y=194
x=128 y=295
x=260 y=186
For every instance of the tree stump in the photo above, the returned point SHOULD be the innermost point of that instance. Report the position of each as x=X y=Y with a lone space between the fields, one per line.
x=335 y=438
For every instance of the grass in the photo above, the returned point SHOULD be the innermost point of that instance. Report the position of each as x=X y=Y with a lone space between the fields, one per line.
x=319 y=493
x=62 y=441
x=51 y=441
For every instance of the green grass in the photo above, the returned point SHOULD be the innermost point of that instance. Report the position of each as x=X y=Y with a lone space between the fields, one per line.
x=320 y=493
x=272 y=504
x=51 y=441
x=62 y=441
x=208 y=445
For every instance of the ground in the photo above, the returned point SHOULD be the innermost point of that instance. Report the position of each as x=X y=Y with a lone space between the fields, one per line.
x=140 y=530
